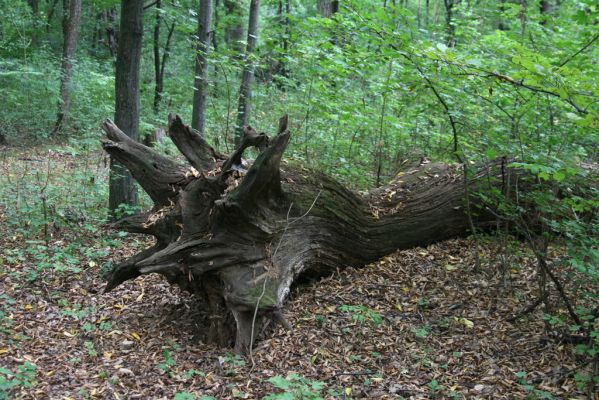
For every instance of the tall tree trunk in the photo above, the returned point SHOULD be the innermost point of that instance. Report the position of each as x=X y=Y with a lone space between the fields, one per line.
x=326 y=8
x=70 y=27
x=122 y=188
x=200 y=94
x=245 y=91
x=234 y=26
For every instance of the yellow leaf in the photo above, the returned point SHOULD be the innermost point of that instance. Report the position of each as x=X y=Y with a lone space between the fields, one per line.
x=348 y=391
x=92 y=264
x=4 y=351
x=466 y=322
x=107 y=355
x=118 y=306
x=68 y=334
x=135 y=336
x=399 y=307
x=28 y=306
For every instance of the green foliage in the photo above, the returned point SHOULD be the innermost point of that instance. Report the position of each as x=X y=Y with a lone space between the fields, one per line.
x=295 y=387
x=435 y=386
x=6 y=304
x=24 y=376
x=230 y=363
x=90 y=348
x=15 y=31
x=193 y=372
x=169 y=362
x=534 y=393
x=422 y=332
x=184 y=396
x=363 y=314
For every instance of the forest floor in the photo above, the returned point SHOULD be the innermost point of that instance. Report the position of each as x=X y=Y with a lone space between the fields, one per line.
x=417 y=324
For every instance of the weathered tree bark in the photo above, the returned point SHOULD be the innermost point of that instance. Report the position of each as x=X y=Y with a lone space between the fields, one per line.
x=122 y=189
x=70 y=27
x=239 y=237
x=245 y=91
x=200 y=94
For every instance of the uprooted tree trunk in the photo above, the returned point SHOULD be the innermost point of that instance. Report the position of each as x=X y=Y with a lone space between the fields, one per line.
x=240 y=235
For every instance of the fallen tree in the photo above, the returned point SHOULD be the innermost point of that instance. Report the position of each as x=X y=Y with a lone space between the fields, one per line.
x=240 y=234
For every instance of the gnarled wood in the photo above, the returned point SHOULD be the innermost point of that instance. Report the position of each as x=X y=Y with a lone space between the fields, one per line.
x=160 y=177
x=192 y=145
x=240 y=239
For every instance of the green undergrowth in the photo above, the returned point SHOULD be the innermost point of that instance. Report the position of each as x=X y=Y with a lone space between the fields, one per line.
x=54 y=212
